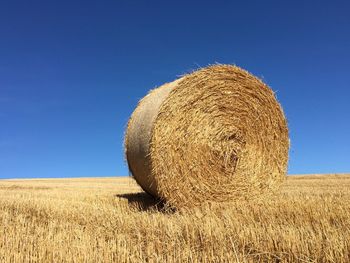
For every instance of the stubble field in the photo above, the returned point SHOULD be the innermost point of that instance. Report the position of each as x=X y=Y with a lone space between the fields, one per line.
x=112 y=220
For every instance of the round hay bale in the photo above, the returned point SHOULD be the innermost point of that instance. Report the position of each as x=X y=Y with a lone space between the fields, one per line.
x=217 y=134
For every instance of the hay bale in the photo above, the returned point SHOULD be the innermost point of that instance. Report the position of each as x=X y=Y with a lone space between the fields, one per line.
x=216 y=134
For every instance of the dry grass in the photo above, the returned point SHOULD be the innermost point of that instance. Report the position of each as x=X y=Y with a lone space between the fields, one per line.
x=109 y=219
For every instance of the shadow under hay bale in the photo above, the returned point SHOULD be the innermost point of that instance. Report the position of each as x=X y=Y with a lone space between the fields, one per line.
x=143 y=201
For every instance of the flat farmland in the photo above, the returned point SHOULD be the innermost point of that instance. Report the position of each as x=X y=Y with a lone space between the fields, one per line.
x=113 y=220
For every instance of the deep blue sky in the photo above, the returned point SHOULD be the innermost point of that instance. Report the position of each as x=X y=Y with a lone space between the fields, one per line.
x=71 y=73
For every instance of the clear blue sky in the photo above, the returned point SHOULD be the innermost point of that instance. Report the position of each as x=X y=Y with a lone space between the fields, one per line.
x=71 y=73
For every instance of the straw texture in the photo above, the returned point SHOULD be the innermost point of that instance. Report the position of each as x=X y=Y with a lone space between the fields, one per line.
x=215 y=135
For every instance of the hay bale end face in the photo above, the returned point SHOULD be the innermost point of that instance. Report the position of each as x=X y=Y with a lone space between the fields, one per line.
x=217 y=134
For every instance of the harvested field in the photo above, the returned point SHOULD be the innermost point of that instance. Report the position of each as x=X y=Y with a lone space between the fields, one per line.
x=112 y=220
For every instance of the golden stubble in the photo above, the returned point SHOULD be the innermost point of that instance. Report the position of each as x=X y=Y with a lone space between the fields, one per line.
x=112 y=220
